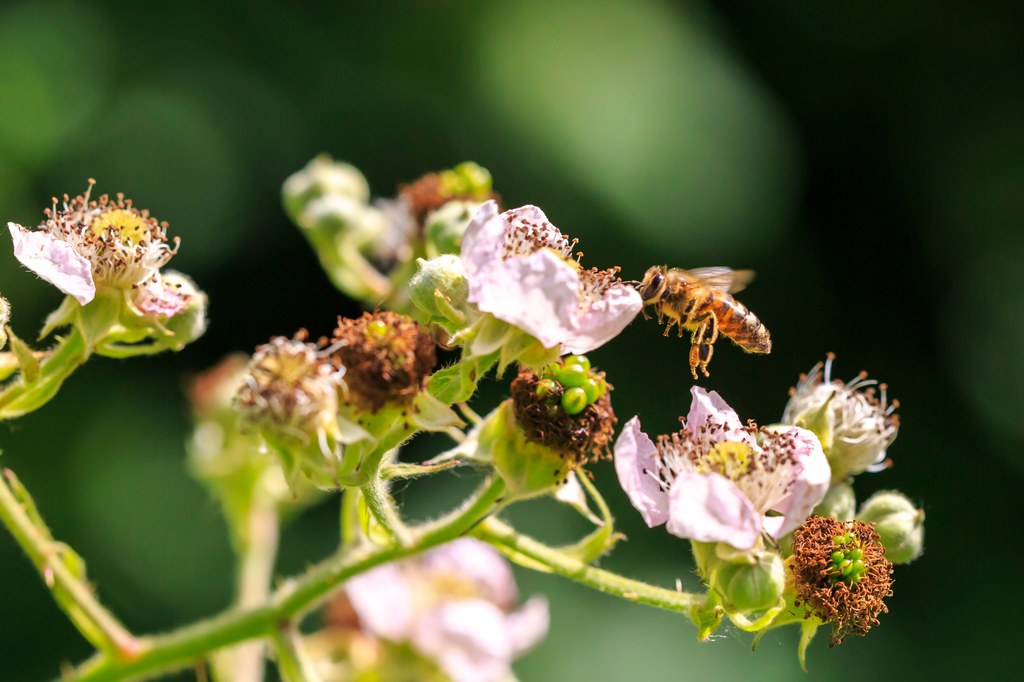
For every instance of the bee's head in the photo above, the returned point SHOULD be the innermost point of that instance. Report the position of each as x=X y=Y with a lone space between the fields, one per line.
x=653 y=285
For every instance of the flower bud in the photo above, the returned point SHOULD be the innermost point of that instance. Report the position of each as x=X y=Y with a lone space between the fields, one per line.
x=839 y=503
x=854 y=421
x=5 y=317
x=323 y=177
x=439 y=290
x=751 y=585
x=899 y=524
x=445 y=226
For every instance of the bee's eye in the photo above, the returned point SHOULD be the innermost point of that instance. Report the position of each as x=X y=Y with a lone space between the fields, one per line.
x=656 y=282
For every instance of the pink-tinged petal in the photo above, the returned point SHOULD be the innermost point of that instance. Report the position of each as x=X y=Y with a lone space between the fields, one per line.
x=636 y=466
x=483 y=240
x=809 y=486
x=385 y=601
x=710 y=508
x=708 y=408
x=476 y=562
x=55 y=261
x=536 y=293
x=159 y=300
x=603 y=320
x=528 y=625
x=469 y=640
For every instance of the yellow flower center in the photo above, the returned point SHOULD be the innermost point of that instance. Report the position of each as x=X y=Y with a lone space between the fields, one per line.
x=127 y=226
x=730 y=459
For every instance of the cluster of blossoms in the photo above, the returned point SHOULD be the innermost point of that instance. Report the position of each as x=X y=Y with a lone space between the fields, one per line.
x=775 y=528
x=449 y=614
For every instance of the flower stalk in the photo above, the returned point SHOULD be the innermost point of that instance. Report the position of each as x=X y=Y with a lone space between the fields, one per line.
x=64 y=573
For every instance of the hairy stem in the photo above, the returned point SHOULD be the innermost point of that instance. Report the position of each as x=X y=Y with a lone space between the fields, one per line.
x=71 y=592
x=502 y=535
x=289 y=603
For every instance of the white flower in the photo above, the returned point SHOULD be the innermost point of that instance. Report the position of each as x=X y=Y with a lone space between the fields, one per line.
x=521 y=269
x=718 y=480
x=453 y=604
x=87 y=243
x=854 y=421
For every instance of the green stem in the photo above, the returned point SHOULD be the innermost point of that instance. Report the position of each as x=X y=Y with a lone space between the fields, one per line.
x=292 y=661
x=497 y=533
x=289 y=603
x=70 y=591
x=20 y=397
x=382 y=508
x=257 y=553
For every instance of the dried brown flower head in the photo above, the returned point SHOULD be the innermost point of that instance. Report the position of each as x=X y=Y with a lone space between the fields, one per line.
x=841 y=574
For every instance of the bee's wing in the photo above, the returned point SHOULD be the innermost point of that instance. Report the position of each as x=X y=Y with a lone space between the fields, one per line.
x=721 y=278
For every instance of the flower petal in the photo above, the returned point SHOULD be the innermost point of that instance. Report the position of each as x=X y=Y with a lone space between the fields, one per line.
x=478 y=562
x=483 y=240
x=528 y=625
x=707 y=408
x=808 y=488
x=384 y=599
x=603 y=320
x=157 y=299
x=636 y=464
x=469 y=640
x=55 y=261
x=536 y=293
x=710 y=508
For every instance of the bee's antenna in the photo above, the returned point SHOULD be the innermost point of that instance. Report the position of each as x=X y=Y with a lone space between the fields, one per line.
x=632 y=283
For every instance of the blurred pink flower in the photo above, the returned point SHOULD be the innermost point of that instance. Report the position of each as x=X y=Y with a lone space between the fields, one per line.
x=453 y=605
x=716 y=480
x=521 y=269
x=160 y=299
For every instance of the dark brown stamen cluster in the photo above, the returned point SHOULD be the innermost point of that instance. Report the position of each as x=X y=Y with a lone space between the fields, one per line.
x=427 y=194
x=387 y=358
x=851 y=608
x=582 y=437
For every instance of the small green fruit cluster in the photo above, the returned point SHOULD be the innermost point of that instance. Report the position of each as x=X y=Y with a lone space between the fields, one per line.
x=581 y=385
x=847 y=559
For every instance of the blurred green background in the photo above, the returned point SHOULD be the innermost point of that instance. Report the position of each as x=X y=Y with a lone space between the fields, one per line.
x=866 y=159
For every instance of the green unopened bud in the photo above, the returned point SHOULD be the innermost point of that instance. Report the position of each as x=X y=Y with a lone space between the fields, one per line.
x=5 y=317
x=466 y=179
x=751 y=585
x=899 y=524
x=839 y=503
x=445 y=226
x=323 y=177
x=440 y=290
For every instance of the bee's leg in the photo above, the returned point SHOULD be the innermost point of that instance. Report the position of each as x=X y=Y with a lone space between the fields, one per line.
x=671 y=321
x=701 y=344
x=704 y=353
x=643 y=311
x=695 y=360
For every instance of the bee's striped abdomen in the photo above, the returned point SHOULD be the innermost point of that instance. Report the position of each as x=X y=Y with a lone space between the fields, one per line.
x=736 y=322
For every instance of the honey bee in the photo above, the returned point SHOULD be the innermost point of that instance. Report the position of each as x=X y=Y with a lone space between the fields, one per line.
x=701 y=302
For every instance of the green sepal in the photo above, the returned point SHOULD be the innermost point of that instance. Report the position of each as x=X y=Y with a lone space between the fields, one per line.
x=707 y=616
x=27 y=362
